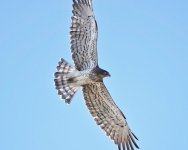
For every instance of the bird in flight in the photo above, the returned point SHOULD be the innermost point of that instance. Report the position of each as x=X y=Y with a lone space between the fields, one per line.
x=87 y=74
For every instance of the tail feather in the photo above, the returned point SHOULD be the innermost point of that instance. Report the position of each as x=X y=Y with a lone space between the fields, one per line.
x=64 y=89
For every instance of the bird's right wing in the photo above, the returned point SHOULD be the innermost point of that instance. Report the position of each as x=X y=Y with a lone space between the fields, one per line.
x=83 y=34
x=108 y=115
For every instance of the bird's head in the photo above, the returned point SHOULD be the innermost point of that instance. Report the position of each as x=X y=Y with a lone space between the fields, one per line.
x=101 y=73
x=105 y=73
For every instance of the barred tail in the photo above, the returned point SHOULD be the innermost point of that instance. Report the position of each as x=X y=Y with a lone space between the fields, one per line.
x=64 y=90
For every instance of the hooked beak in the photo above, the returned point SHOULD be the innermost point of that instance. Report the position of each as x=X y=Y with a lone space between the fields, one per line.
x=108 y=75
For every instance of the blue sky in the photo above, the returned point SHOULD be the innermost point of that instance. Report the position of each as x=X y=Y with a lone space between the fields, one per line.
x=144 y=46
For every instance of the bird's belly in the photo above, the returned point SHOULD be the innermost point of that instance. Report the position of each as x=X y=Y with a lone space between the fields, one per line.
x=81 y=80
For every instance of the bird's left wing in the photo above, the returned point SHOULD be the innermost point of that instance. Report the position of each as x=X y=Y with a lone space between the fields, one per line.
x=108 y=115
x=83 y=35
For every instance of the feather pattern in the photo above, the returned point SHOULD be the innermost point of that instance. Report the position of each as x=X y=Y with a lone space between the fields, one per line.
x=107 y=114
x=83 y=34
x=64 y=90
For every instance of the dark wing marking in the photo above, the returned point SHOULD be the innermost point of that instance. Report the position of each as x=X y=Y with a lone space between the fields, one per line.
x=108 y=115
x=83 y=35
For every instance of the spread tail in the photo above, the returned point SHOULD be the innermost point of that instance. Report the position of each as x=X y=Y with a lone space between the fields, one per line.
x=64 y=89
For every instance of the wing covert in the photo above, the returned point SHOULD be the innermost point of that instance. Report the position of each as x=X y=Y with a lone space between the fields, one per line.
x=83 y=35
x=107 y=114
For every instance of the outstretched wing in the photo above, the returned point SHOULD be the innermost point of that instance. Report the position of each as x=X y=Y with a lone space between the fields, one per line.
x=83 y=34
x=108 y=115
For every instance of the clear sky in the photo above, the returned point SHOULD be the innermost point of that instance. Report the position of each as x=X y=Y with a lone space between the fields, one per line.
x=144 y=46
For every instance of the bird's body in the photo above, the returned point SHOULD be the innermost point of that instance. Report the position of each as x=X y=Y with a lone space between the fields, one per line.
x=87 y=74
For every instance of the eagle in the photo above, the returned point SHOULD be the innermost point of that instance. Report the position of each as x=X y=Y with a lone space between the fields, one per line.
x=87 y=74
